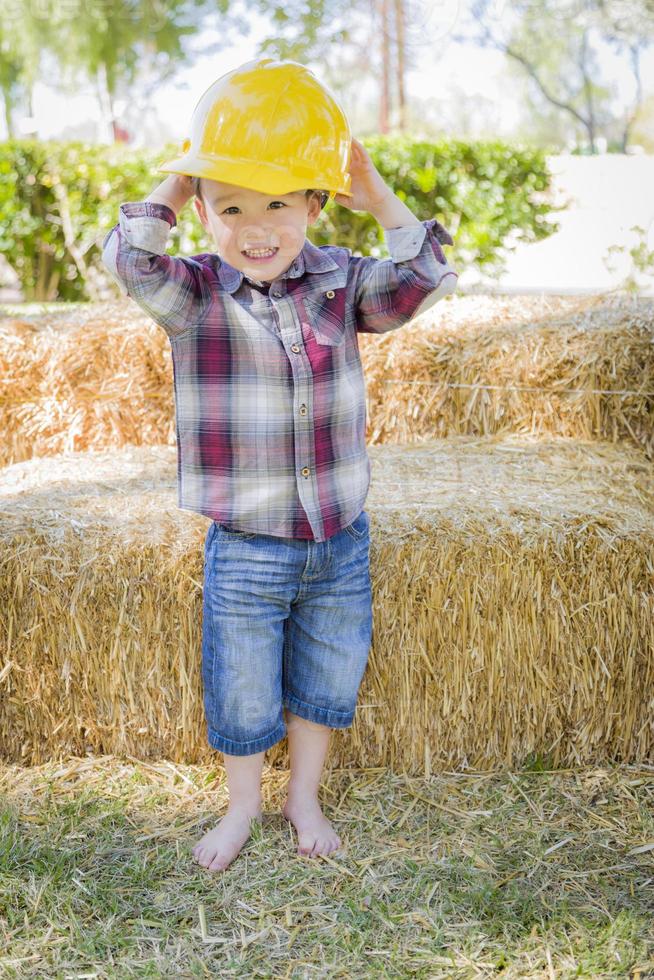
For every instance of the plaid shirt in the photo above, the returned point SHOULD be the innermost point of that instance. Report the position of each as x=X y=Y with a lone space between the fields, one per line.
x=269 y=388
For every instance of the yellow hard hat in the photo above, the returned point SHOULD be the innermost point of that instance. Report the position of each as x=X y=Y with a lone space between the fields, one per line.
x=270 y=126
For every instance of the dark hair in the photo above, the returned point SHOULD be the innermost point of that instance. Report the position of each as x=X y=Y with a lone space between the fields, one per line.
x=324 y=195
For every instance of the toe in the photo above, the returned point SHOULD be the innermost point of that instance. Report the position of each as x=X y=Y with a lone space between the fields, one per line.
x=218 y=863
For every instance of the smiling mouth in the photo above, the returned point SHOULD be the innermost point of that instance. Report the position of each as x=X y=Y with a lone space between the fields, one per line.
x=260 y=254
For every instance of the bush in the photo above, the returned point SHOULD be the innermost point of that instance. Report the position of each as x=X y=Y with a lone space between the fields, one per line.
x=58 y=200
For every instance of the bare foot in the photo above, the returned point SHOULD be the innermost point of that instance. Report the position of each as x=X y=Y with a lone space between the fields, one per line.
x=218 y=848
x=314 y=831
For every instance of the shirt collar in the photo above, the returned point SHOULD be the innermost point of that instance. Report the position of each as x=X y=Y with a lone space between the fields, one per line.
x=310 y=259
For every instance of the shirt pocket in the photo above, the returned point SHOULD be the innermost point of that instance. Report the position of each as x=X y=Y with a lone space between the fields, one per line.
x=327 y=315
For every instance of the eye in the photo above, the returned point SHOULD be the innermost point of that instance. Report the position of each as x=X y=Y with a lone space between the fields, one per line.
x=234 y=208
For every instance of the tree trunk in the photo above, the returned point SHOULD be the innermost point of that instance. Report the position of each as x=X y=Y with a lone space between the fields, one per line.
x=47 y=278
x=588 y=93
x=634 y=51
x=401 y=64
x=384 y=103
x=106 y=107
x=70 y=237
x=8 y=112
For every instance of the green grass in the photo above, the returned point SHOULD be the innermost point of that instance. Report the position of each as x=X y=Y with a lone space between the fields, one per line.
x=515 y=875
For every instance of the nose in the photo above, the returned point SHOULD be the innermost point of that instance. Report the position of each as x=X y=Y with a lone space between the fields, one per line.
x=252 y=234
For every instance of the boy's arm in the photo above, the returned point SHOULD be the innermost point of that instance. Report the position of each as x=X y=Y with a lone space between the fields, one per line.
x=390 y=292
x=173 y=291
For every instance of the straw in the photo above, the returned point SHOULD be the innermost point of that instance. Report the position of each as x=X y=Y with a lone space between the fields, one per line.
x=513 y=607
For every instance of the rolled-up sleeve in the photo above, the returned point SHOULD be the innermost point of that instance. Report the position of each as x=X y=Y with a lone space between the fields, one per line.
x=390 y=292
x=173 y=291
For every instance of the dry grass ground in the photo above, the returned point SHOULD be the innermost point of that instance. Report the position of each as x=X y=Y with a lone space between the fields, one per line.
x=526 y=874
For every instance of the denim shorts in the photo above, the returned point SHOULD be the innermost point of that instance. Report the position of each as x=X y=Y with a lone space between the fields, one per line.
x=286 y=622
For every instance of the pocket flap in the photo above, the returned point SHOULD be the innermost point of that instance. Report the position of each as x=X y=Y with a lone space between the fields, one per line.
x=326 y=315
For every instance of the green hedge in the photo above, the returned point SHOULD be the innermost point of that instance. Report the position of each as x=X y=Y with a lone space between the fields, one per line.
x=59 y=199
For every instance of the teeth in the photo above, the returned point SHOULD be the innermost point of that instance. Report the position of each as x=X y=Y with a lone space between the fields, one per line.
x=258 y=252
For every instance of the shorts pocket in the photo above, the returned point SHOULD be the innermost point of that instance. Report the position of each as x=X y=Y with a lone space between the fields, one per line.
x=359 y=527
x=234 y=532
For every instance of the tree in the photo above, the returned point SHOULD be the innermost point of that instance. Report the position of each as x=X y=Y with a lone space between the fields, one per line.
x=401 y=62
x=629 y=29
x=113 y=43
x=365 y=37
x=556 y=47
x=21 y=41
x=11 y=69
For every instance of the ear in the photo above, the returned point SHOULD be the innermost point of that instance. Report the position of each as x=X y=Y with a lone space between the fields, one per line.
x=199 y=207
x=314 y=209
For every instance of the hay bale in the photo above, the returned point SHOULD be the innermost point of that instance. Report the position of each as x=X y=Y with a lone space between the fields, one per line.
x=101 y=377
x=513 y=608
x=532 y=365
x=81 y=379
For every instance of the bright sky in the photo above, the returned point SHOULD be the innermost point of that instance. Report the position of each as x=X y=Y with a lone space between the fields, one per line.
x=438 y=67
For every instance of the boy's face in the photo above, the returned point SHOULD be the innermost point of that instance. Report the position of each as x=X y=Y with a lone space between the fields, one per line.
x=241 y=219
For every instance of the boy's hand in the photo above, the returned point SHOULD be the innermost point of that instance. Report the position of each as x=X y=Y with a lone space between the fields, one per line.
x=368 y=188
x=174 y=191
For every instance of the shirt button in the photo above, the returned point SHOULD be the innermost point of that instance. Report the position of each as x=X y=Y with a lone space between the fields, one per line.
x=303 y=409
x=330 y=294
x=295 y=349
x=306 y=471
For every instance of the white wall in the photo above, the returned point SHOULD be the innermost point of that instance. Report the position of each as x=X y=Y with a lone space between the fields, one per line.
x=606 y=196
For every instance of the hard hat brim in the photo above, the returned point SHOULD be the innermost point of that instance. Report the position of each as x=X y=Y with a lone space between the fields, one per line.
x=252 y=174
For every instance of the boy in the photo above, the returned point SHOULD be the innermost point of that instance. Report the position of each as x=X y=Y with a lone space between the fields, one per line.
x=270 y=405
